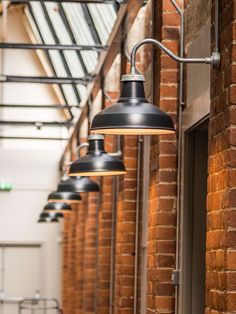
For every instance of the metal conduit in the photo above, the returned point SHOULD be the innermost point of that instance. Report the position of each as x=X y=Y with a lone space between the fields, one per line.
x=179 y=150
x=115 y=192
x=137 y=225
x=18 y=106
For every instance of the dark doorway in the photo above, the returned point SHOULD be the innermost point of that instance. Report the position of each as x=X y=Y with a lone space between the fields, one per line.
x=194 y=220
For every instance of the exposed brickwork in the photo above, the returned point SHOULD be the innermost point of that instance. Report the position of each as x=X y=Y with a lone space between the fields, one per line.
x=221 y=201
x=86 y=267
x=162 y=205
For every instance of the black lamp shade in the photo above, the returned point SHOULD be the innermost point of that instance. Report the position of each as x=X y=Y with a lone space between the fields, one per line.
x=57 y=207
x=78 y=184
x=97 y=162
x=132 y=114
x=50 y=217
x=64 y=197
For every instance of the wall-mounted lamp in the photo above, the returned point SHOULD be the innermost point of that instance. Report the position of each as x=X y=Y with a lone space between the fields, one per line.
x=132 y=114
x=78 y=184
x=50 y=217
x=64 y=197
x=97 y=162
x=57 y=207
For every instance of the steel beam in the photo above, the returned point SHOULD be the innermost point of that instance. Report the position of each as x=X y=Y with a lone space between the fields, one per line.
x=37 y=124
x=18 y=106
x=45 y=80
x=70 y=1
x=33 y=138
x=22 y=106
x=52 y=47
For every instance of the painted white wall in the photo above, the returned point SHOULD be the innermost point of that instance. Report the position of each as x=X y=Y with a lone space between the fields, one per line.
x=31 y=166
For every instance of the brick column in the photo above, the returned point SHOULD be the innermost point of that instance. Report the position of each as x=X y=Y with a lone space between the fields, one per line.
x=162 y=206
x=89 y=271
x=105 y=222
x=69 y=262
x=221 y=200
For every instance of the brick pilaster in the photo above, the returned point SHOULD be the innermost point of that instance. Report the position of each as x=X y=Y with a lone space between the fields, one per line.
x=221 y=201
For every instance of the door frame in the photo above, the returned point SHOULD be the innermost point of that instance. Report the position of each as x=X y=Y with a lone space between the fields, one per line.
x=33 y=244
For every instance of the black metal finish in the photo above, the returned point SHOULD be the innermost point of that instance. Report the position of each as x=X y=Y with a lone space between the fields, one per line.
x=73 y=47
x=50 y=217
x=132 y=112
x=38 y=124
x=97 y=162
x=66 y=197
x=78 y=184
x=18 y=106
x=33 y=138
x=57 y=207
x=45 y=80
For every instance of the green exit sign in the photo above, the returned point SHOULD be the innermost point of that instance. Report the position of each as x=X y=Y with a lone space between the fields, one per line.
x=5 y=186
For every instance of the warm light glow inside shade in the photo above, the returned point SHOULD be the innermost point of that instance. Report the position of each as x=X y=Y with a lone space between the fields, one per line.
x=100 y=173
x=132 y=114
x=138 y=131
x=97 y=162
x=63 y=201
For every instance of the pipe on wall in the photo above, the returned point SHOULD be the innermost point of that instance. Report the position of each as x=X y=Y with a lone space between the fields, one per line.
x=179 y=149
x=115 y=192
x=138 y=191
x=144 y=238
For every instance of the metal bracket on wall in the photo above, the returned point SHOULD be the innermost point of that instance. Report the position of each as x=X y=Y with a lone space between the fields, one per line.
x=213 y=60
x=175 y=277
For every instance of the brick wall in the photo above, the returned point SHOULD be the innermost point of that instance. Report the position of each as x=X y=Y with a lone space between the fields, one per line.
x=221 y=201
x=86 y=267
x=162 y=205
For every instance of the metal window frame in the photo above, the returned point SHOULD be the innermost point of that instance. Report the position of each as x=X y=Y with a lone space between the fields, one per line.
x=49 y=58
x=56 y=39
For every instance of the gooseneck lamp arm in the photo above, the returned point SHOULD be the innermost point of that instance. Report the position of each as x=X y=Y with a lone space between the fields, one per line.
x=214 y=59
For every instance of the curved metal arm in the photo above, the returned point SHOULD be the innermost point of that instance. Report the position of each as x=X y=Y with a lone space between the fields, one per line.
x=82 y=146
x=214 y=59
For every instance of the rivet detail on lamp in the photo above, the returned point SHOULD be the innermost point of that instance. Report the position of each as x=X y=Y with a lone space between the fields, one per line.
x=57 y=207
x=97 y=162
x=64 y=197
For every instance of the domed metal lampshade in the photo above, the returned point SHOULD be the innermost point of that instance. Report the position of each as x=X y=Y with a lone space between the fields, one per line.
x=50 y=217
x=132 y=114
x=78 y=184
x=64 y=197
x=57 y=207
x=97 y=162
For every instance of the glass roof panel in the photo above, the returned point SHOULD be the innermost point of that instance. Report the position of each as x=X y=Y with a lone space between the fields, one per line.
x=72 y=23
